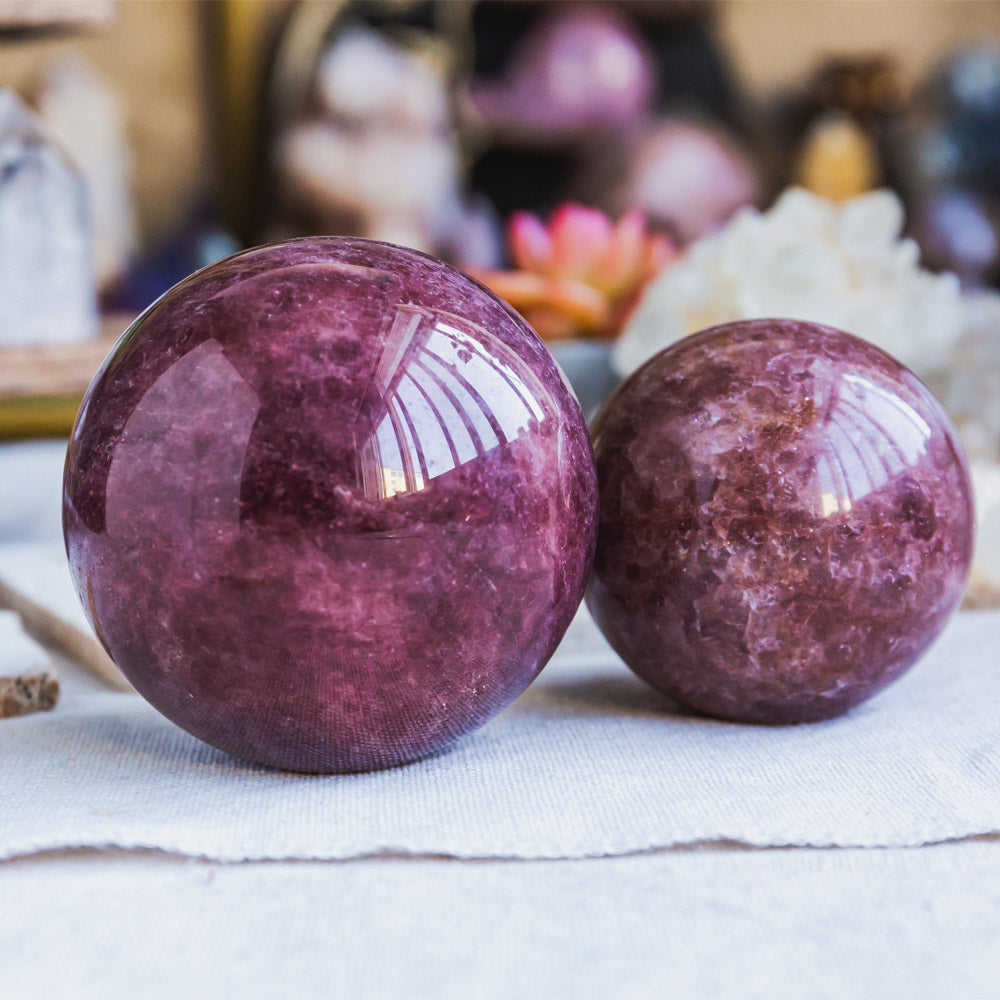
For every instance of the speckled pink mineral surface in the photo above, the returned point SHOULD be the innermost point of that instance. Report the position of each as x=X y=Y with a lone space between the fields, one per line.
x=330 y=505
x=785 y=521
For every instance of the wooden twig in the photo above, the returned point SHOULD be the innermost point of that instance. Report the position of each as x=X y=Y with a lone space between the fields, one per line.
x=49 y=629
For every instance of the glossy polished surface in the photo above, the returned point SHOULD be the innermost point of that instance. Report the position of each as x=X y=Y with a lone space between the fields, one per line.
x=785 y=521
x=329 y=505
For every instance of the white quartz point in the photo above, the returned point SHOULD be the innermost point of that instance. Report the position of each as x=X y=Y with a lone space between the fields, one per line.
x=47 y=288
x=84 y=117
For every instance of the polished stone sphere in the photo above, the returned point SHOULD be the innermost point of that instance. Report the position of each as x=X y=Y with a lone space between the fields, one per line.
x=329 y=505
x=785 y=524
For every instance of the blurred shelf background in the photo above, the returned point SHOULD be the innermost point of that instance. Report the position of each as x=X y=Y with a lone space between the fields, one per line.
x=209 y=97
x=167 y=59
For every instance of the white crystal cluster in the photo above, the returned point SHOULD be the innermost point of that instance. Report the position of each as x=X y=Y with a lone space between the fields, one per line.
x=808 y=259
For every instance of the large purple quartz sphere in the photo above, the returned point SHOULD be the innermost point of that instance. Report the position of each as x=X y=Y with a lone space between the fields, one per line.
x=785 y=521
x=329 y=504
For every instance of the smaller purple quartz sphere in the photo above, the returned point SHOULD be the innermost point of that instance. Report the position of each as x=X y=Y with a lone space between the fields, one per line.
x=329 y=505
x=785 y=522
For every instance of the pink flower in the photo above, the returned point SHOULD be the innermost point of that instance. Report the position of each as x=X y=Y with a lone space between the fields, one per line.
x=581 y=274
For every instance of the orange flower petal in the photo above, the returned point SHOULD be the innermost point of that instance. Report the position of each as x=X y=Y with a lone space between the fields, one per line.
x=550 y=324
x=621 y=264
x=519 y=288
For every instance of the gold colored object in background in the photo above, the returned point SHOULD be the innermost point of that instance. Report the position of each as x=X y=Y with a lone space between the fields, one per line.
x=838 y=159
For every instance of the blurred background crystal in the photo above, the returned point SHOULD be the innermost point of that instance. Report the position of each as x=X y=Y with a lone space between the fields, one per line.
x=83 y=115
x=576 y=69
x=47 y=291
x=845 y=265
x=379 y=156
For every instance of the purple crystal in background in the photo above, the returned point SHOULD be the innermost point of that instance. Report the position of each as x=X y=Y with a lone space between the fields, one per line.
x=785 y=521
x=329 y=505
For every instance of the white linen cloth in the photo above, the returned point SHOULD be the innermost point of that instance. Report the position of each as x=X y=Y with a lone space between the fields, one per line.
x=692 y=924
x=31 y=491
x=588 y=762
x=19 y=653
x=587 y=758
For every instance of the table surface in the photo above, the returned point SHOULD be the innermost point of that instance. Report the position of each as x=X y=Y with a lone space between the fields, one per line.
x=703 y=920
